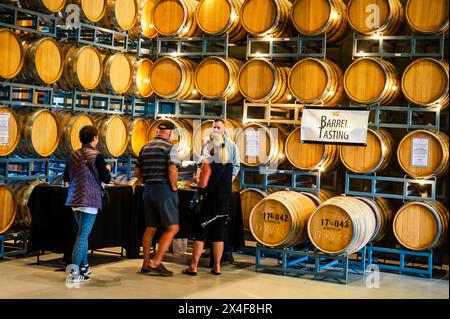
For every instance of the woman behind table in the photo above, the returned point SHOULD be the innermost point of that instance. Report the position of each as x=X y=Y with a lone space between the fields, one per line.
x=85 y=170
x=214 y=180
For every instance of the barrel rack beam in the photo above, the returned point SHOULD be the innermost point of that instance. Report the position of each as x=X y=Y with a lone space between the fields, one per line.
x=13 y=243
x=407 y=260
x=12 y=17
x=194 y=109
x=18 y=94
x=272 y=113
x=295 y=48
x=412 y=189
x=30 y=168
x=126 y=166
x=96 y=36
x=90 y=102
x=304 y=261
x=139 y=107
x=387 y=46
x=142 y=47
x=195 y=47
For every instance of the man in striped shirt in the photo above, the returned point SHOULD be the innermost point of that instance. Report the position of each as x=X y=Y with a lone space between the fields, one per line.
x=157 y=168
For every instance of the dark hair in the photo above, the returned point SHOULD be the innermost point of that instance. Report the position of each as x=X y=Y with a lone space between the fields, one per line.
x=219 y=120
x=87 y=134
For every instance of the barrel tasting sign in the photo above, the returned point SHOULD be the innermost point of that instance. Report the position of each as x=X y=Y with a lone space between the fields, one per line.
x=335 y=125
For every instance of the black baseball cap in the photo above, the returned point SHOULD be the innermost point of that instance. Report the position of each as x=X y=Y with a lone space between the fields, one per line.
x=166 y=126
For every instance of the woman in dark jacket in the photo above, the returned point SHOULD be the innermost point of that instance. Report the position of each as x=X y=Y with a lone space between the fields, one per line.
x=214 y=180
x=85 y=171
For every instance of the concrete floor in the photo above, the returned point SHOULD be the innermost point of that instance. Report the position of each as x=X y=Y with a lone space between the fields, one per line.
x=114 y=277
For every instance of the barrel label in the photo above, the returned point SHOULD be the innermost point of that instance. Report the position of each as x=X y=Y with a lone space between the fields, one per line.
x=275 y=218
x=4 y=128
x=330 y=224
x=419 y=152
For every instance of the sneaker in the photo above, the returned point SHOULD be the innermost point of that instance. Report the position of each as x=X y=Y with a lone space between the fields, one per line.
x=85 y=270
x=78 y=278
x=160 y=270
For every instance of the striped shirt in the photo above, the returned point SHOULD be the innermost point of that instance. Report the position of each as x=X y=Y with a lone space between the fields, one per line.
x=154 y=159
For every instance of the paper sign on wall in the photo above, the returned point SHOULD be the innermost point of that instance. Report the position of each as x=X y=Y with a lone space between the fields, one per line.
x=419 y=152
x=252 y=146
x=334 y=125
x=4 y=129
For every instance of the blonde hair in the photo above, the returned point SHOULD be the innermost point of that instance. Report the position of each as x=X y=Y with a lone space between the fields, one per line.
x=217 y=141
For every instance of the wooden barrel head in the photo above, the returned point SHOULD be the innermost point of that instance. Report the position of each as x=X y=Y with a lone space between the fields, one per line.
x=310 y=16
x=255 y=154
x=12 y=54
x=44 y=133
x=249 y=198
x=9 y=143
x=425 y=81
x=88 y=67
x=166 y=76
x=258 y=16
x=427 y=16
x=257 y=79
x=146 y=19
x=116 y=136
x=308 y=80
x=139 y=135
x=8 y=208
x=169 y=16
x=365 y=80
x=214 y=16
x=363 y=20
x=54 y=5
x=212 y=68
x=304 y=156
x=118 y=70
x=93 y=10
x=141 y=77
x=125 y=12
x=80 y=120
x=48 y=61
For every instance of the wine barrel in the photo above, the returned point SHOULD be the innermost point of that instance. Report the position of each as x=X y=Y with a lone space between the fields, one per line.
x=370 y=17
x=69 y=131
x=140 y=77
x=318 y=17
x=315 y=81
x=201 y=133
x=91 y=11
x=82 y=67
x=425 y=82
x=307 y=156
x=12 y=54
x=176 y=18
x=267 y=18
x=123 y=179
x=279 y=220
x=117 y=73
x=137 y=129
x=173 y=78
x=383 y=214
x=371 y=81
x=23 y=191
x=262 y=81
x=219 y=17
x=112 y=135
x=250 y=197
x=268 y=147
x=421 y=225
x=423 y=153
x=8 y=207
x=375 y=157
x=341 y=224
x=39 y=132
x=182 y=135
x=144 y=26
x=429 y=17
x=45 y=6
x=8 y=144
x=320 y=196
x=122 y=14
x=224 y=72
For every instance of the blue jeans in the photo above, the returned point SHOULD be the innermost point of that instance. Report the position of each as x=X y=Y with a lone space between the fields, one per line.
x=85 y=223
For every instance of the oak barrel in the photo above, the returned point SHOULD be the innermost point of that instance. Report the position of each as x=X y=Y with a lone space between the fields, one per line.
x=261 y=80
x=8 y=207
x=217 y=78
x=90 y=10
x=267 y=18
x=117 y=73
x=219 y=17
x=429 y=16
x=316 y=81
x=144 y=26
x=371 y=81
x=383 y=216
x=375 y=157
x=280 y=219
x=176 y=18
x=122 y=14
x=23 y=191
x=173 y=78
x=8 y=143
x=45 y=6
x=140 y=77
x=137 y=129
x=307 y=156
x=371 y=17
x=12 y=54
x=421 y=225
x=424 y=153
x=112 y=135
x=318 y=17
x=341 y=224
x=319 y=197
x=250 y=197
x=39 y=132
x=425 y=82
